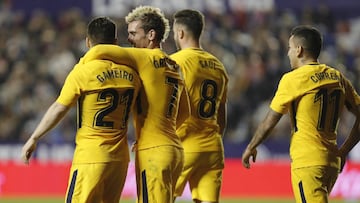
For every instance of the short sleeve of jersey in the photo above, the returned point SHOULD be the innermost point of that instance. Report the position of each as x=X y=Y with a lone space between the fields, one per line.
x=351 y=96
x=283 y=96
x=71 y=88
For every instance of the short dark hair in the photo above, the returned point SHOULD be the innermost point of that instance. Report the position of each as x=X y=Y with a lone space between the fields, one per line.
x=310 y=39
x=192 y=19
x=102 y=30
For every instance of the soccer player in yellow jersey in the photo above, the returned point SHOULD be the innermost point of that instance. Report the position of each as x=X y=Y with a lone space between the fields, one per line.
x=105 y=93
x=314 y=94
x=158 y=163
x=201 y=134
x=158 y=151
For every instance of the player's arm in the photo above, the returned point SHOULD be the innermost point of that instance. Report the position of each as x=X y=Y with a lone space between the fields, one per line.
x=132 y=57
x=352 y=104
x=222 y=113
x=261 y=133
x=222 y=121
x=354 y=136
x=52 y=116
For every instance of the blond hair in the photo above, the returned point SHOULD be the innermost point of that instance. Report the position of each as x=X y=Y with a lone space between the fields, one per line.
x=151 y=18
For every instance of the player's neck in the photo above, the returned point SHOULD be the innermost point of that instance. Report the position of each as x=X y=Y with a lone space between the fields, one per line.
x=154 y=45
x=190 y=44
x=307 y=61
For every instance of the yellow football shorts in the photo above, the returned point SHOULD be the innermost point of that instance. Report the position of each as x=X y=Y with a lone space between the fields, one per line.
x=313 y=184
x=96 y=182
x=157 y=170
x=203 y=171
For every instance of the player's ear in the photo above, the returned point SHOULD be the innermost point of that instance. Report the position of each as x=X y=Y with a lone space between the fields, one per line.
x=88 y=43
x=299 y=50
x=151 y=34
x=181 y=33
x=178 y=31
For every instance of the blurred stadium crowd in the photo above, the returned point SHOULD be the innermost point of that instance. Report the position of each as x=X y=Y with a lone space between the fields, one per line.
x=38 y=50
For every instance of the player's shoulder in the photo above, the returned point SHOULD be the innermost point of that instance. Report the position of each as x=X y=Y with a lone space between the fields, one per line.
x=81 y=67
x=335 y=70
x=291 y=76
x=189 y=53
x=176 y=55
x=145 y=51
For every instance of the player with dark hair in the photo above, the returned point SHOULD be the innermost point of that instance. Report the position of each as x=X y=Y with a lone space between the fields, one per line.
x=314 y=94
x=201 y=134
x=105 y=93
x=158 y=150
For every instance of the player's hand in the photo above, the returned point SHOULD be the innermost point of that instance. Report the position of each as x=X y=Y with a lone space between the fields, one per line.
x=248 y=153
x=27 y=150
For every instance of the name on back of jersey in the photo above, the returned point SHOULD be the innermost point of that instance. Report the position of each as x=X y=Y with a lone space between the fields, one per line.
x=115 y=74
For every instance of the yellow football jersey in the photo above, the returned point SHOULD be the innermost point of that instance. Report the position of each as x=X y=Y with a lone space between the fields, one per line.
x=105 y=92
x=314 y=95
x=155 y=124
x=206 y=82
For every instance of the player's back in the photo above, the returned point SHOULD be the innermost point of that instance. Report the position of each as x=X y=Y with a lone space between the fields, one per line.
x=158 y=101
x=316 y=94
x=155 y=118
x=206 y=82
x=319 y=99
x=107 y=94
